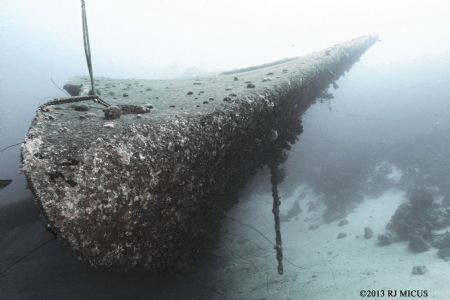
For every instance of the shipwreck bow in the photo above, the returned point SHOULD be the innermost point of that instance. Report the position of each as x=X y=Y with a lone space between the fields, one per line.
x=140 y=183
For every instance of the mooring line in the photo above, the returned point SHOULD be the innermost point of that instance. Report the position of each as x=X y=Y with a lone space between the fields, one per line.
x=264 y=237
x=95 y=98
x=57 y=86
x=10 y=146
x=87 y=51
x=87 y=45
x=31 y=251
x=275 y=177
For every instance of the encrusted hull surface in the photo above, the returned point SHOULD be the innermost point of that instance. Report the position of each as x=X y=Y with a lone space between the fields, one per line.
x=144 y=190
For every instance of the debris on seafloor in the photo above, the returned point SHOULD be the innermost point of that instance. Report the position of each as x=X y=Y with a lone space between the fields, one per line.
x=341 y=235
x=368 y=233
x=385 y=239
x=419 y=270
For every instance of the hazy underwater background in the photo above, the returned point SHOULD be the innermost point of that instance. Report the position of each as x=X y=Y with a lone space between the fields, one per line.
x=380 y=148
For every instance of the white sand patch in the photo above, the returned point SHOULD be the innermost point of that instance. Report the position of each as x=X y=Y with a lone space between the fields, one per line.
x=395 y=175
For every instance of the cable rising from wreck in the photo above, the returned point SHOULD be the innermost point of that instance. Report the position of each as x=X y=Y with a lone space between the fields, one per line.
x=87 y=46
x=87 y=50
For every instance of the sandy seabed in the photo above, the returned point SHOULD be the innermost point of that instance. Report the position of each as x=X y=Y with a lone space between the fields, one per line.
x=317 y=264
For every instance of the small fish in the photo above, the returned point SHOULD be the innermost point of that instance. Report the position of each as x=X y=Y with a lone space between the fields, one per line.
x=4 y=183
